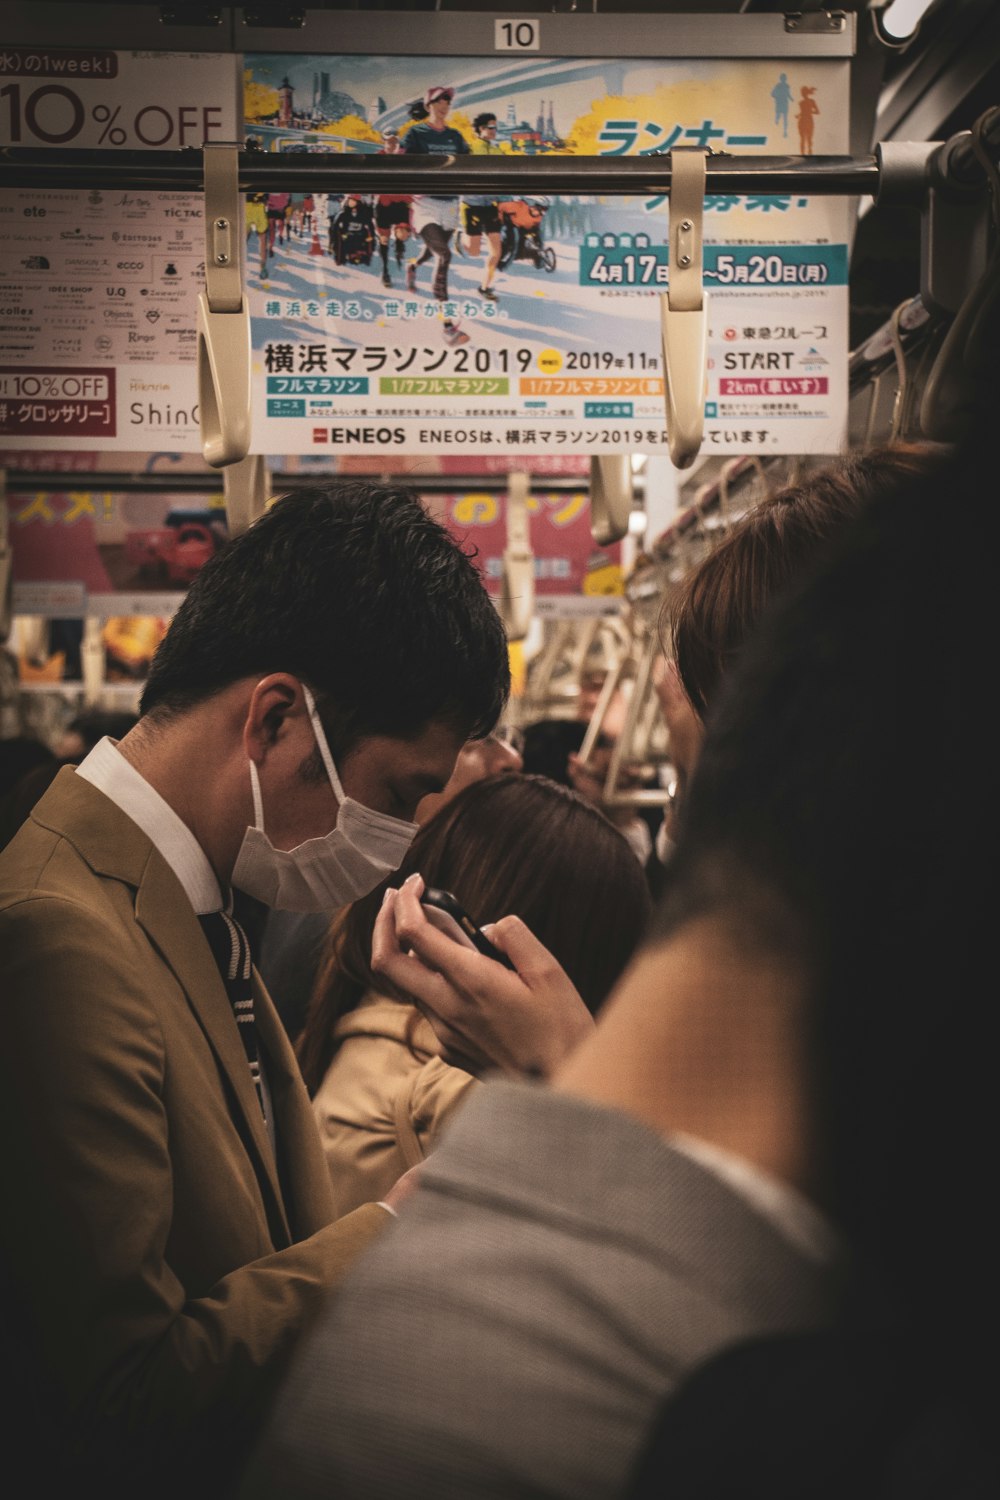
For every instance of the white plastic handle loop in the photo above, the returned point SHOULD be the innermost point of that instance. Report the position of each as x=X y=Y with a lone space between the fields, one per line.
x=246 y=488
x=630 y=747
x=684 y=309
x=6 y=564
x=223 y=317
x=612 y=679
x=517 y=599
x=92 y=659
x=610 y=497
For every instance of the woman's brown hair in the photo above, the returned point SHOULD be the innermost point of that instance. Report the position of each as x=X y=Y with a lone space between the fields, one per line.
x=772 y=544
x=511 y=844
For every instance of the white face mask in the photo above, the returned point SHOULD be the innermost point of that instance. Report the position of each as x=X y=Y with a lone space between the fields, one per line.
x=326 y=873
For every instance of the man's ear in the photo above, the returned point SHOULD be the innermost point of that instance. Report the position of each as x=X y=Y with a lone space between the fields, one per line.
x=274 y=700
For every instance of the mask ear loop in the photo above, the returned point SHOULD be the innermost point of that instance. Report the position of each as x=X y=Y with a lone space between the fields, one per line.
x=322 y=746
x=258 y=804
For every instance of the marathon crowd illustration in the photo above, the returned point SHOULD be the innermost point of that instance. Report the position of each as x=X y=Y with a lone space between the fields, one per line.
x=409 y=241
x=531 y=310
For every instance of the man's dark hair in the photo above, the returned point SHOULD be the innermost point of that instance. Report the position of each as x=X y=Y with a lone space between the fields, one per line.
x=483 y=120
x=357 y=591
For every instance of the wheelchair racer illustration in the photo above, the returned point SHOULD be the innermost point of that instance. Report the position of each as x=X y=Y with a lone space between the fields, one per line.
x=522 y=233
x=354 y=232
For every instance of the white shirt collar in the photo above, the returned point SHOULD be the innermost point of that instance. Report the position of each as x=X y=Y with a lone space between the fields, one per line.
x=795 y=1218
x=107 y=769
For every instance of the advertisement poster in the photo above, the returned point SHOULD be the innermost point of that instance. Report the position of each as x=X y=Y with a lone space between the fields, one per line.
x=414 y=468
x=98 y=290
x=423 y=324
x=567 y=562
x=83 y=552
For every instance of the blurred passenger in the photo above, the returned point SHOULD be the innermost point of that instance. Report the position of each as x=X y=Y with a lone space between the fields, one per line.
x=77 y=740
x=548 y=745
x=90 y=727
x=22 y=760
x=17 y=802
x=780 y=1129
x=18 y=754
x=381 y=1091
x=720 y=603
x=493 y=755
x=591 y=686
x=590 y=778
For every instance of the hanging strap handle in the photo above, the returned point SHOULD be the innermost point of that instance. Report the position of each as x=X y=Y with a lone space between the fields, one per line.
x=6 y=564
x=684 y=308
x=223 y=316
x=610 y=497
x=92 y=661
x=517 y=600
x=246 y=487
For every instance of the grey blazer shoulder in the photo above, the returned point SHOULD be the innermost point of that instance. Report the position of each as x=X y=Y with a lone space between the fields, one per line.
x=560 y=1269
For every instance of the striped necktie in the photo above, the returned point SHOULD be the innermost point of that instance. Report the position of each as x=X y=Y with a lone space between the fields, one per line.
x=231 y=950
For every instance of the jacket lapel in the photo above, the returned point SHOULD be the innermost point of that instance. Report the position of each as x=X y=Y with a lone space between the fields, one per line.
x=116 y=847
x=302 y=1163
x=164 y=912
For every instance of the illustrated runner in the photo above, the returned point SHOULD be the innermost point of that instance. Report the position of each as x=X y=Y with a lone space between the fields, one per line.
x=480 y=214
x=392 y=212
x=435 y=219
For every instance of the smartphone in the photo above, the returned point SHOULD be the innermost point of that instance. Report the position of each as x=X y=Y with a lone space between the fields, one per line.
x=450 y=918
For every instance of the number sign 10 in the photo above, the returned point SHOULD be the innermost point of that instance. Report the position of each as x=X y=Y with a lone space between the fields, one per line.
x=516 y=36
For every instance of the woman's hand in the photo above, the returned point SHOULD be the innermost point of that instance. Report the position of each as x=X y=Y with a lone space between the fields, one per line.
x=484 y=1015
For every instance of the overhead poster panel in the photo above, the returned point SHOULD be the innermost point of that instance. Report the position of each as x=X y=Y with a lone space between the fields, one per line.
x=380 y=325
x=99 y=290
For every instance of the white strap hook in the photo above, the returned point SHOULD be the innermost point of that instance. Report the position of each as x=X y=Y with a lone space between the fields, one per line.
x=610 y=497
x=517 y=601
x=223 y=316
x=6 y=564
x=246 y=487
x=92 y=661
x=684 y=308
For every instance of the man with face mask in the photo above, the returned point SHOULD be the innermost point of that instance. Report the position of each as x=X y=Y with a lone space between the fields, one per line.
x=168 y=1231
x=293 y=943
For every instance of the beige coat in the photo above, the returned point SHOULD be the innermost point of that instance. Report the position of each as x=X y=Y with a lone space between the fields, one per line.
x=380 y=1107
x=156 y=1262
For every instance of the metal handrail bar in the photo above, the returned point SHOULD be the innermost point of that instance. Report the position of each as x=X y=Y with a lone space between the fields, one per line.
x=40 y=170
x=162 y=481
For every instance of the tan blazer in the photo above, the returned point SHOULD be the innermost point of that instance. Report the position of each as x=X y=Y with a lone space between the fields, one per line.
x=158 y=1262
x=382 y=1103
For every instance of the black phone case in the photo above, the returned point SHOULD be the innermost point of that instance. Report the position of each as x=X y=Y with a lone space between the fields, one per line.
x=446 y=902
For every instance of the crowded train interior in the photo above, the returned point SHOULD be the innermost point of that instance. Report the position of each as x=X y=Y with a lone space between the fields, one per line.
x=495 y=607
